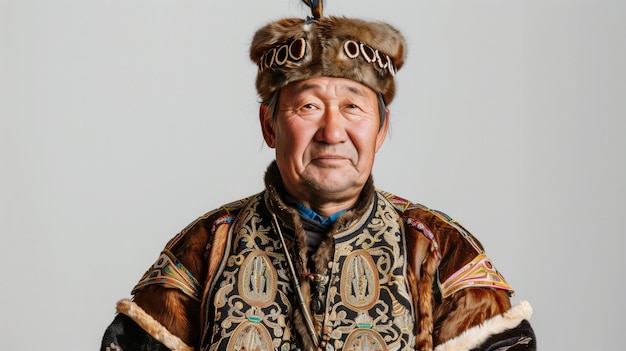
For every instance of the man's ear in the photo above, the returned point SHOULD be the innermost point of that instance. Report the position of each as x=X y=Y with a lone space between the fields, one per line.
x=267 y=126
x=382 y=132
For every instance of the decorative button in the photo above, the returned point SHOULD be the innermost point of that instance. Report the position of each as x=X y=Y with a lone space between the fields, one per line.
x=317 y=306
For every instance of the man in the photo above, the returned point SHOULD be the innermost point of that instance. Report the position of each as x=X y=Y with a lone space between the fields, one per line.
x=321 y=259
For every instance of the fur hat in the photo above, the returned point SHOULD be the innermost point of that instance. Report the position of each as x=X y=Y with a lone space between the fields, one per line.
x=293 y=49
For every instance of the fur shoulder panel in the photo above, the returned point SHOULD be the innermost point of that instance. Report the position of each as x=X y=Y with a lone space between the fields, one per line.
x=183 y=260
x=461 y=257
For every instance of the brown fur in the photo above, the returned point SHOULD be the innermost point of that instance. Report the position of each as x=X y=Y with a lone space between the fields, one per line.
x=170 y=307
x=214 y=259
x=289 y=215
x=424 y=305
x=439 y=321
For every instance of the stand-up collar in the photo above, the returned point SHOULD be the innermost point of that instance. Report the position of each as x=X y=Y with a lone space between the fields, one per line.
x=285 y=206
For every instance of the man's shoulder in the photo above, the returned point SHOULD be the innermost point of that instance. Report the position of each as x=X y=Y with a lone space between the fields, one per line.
x=229 y=209
x=418 y=215
x=409 y=208
x=208 y=222
x=401 y=204
x=235 y=206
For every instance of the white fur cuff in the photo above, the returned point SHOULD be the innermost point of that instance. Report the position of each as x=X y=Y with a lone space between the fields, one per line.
x=475 y=336
x=151 y=326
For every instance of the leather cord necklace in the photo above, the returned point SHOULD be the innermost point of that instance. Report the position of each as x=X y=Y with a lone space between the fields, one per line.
x=294 y=277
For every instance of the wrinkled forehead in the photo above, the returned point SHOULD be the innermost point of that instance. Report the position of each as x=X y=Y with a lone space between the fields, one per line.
x=329 y=86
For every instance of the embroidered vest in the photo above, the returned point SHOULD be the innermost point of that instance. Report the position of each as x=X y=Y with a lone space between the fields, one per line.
x=367 y=302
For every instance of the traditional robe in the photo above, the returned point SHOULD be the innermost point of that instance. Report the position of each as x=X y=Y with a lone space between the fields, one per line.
x=389 y=275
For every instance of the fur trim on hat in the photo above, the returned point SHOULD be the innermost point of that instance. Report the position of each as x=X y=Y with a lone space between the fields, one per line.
x=151 y=326
x=293 y=49
x=474 y=337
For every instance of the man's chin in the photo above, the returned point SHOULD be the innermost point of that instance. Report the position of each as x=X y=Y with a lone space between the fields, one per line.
x=332 y=180
x=330 y=186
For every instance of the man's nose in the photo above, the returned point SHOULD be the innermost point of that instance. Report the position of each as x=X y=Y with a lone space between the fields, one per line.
x=332 y=129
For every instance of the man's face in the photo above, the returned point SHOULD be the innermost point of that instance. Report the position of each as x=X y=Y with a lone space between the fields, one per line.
x=326 y=132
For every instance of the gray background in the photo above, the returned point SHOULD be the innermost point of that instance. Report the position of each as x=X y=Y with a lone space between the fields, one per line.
x=123 y=121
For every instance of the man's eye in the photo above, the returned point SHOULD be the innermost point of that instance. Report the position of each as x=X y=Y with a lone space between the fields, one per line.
x=352 y=107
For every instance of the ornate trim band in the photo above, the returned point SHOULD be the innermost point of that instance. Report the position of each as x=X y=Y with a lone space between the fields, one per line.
x=167 y=270
x=480 y=272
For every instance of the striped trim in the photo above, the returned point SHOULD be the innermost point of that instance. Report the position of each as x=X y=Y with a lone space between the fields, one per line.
x=168 y=271
x=479 y=273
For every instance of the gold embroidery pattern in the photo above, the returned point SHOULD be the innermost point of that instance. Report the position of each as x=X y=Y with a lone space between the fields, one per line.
x=252 y=297
x=258 y=282
x=359 y=283
x=368 y=305
x=250 y=336
x=364 y=340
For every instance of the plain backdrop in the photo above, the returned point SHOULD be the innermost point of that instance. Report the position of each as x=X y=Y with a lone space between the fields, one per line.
x=123 y=121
